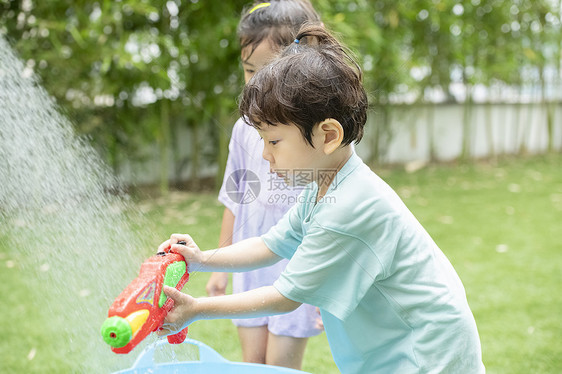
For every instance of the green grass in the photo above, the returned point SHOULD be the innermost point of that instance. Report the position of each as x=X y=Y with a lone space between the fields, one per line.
x=498 y=224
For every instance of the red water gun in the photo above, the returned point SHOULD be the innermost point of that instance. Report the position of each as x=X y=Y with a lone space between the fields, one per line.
x=141 y=308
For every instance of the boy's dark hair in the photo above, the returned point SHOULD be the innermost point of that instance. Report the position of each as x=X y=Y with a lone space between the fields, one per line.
x=314 y=79
x=277 y=22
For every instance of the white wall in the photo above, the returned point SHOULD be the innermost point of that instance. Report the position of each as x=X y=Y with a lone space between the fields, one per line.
x=511 y=126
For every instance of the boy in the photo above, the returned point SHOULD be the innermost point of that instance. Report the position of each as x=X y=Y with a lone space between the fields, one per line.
x=390 y=300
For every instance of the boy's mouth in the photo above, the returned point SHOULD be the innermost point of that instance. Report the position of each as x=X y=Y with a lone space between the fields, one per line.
x=279 y=174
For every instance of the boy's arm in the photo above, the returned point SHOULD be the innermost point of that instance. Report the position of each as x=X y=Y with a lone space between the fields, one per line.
x=254 y=303
x=216 y=286
x=244 y=255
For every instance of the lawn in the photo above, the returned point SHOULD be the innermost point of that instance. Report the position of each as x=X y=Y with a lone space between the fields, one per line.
x=499 y=224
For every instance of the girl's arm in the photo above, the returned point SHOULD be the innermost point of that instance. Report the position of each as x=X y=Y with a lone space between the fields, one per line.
x=248 y=254
x=216 y=286
x=254 y=303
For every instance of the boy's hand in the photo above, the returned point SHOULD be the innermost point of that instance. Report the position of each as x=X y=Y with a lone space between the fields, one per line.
x=181 y=314
x=190 y=251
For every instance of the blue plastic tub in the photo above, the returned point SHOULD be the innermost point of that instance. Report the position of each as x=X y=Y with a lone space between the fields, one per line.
x=210 y=362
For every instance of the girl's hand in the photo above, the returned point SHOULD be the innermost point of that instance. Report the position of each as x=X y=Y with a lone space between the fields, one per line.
x=319 y=323
x=216 y=286
x=182 y=313
x=190 y=251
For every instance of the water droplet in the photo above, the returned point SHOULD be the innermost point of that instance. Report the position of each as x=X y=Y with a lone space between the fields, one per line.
x=55 y=187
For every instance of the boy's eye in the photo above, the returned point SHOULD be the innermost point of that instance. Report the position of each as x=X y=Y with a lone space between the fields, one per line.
x=250 y=71
x=273 y=142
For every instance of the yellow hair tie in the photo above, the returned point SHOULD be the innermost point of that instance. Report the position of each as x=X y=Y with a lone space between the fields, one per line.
x=259 y=6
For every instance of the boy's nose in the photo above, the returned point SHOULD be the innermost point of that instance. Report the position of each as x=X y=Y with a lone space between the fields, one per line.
x=267 y=155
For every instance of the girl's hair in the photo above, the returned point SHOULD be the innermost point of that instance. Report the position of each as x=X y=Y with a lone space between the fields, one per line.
x=277 y=21
x=314 y=79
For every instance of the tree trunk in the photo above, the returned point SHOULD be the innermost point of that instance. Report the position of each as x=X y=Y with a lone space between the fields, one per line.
x=430 y=111
x=466 y=125
x=489 y=130
x=374 y=140
x=517 y=123
x=195 y=152
x=381 y=133
x=164 y=144
x=525 y=144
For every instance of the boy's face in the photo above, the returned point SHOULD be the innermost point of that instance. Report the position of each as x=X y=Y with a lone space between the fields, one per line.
x=254 y=60
x=290 y=156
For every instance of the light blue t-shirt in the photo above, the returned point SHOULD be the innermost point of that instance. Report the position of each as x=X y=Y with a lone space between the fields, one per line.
x=391 y=302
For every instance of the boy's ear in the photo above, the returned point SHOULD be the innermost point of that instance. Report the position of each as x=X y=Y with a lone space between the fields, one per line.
x=331 y=131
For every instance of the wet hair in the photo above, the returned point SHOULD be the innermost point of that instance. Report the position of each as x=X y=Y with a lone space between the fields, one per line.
x=315 y=78
x=277 y=22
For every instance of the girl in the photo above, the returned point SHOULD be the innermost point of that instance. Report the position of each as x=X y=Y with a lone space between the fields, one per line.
x=255 y=199
x=391 y=302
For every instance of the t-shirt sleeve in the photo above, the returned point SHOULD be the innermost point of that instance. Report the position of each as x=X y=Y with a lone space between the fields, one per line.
x=332 y=270
x=284 y=238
